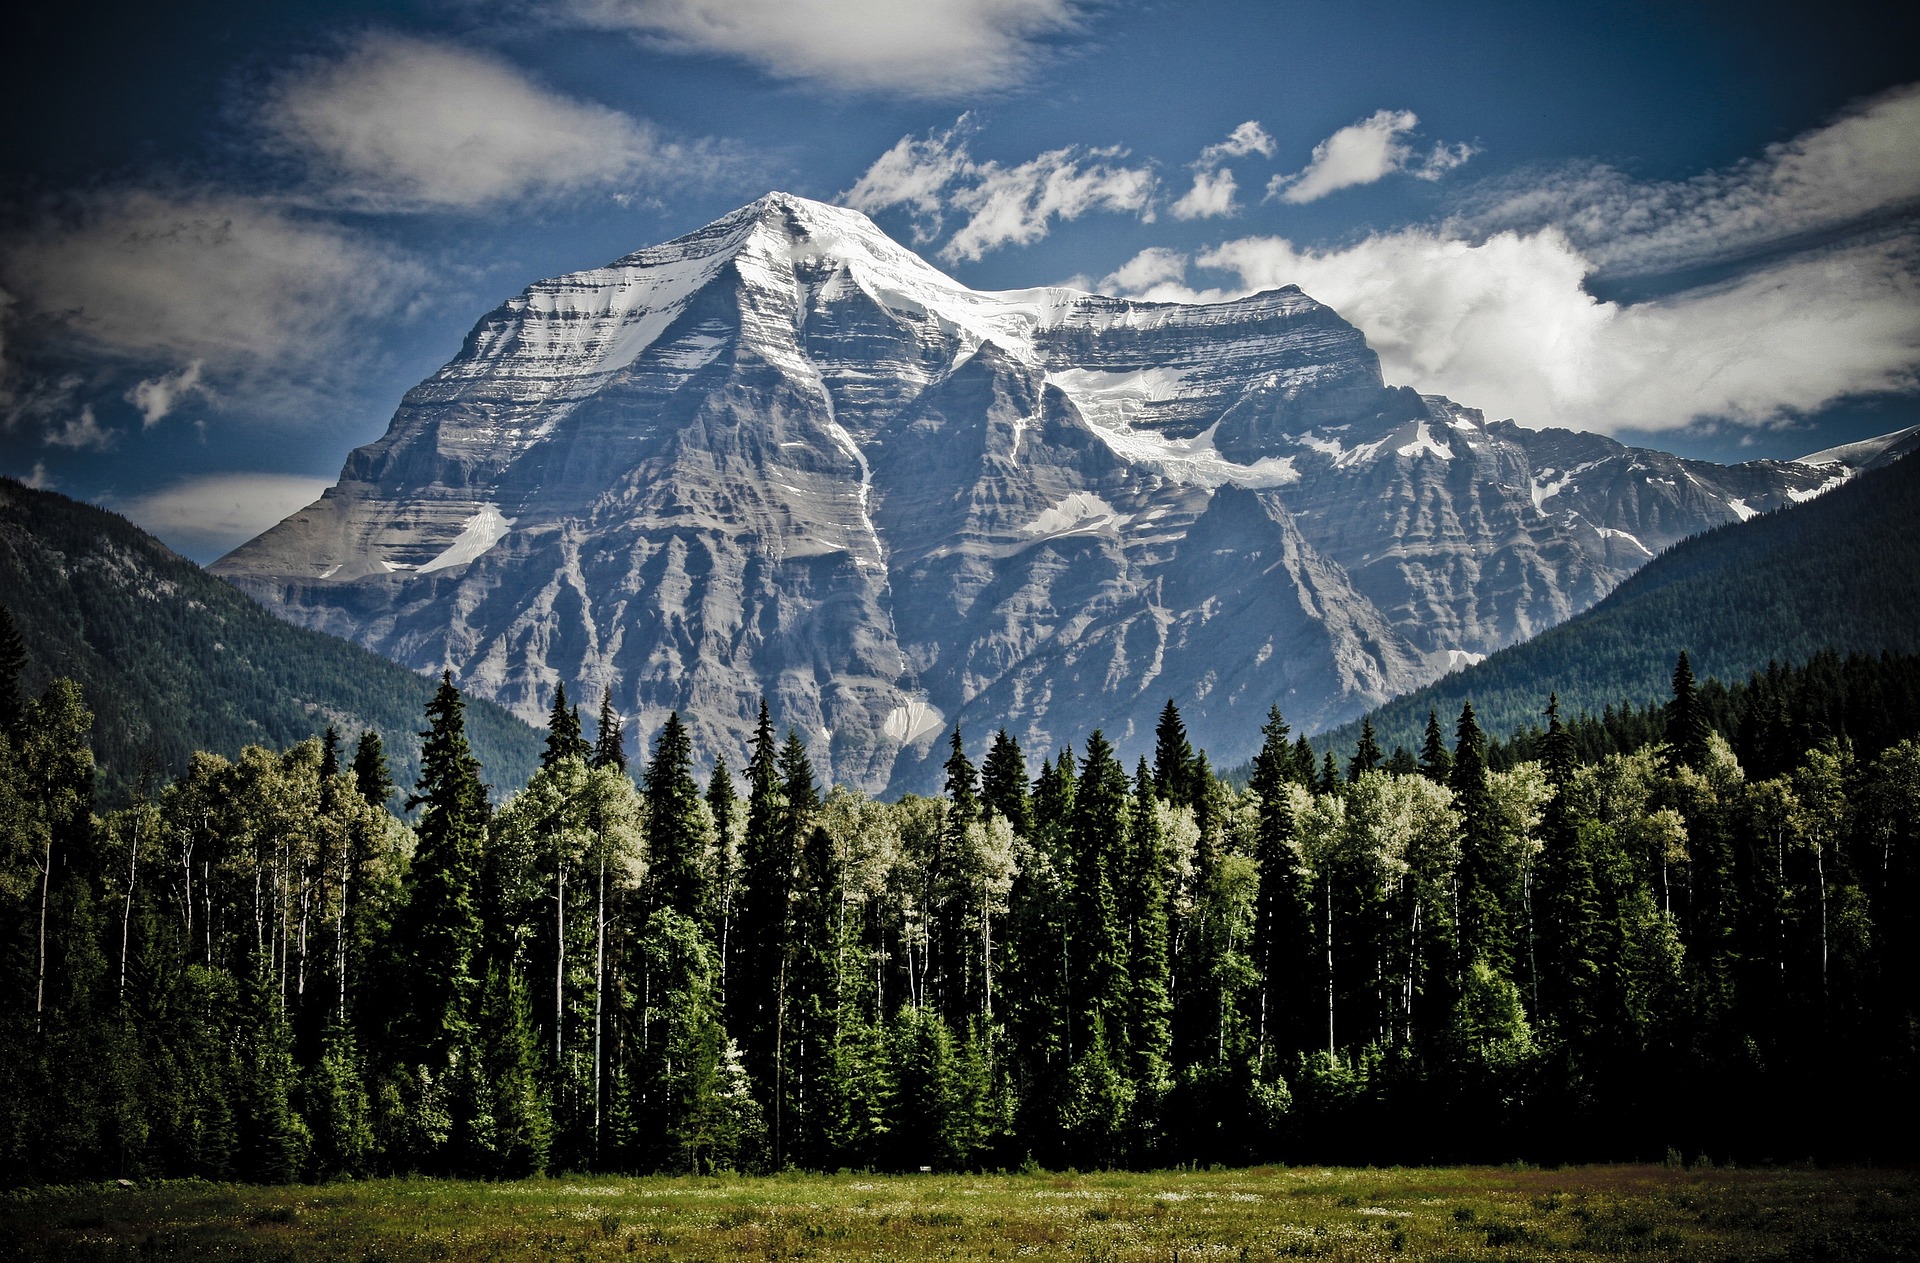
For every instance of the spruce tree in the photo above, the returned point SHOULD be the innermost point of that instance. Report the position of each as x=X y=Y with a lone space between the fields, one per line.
x=1687 y=726
x=563 y=731
x=1485 y=880
x=1099 y=963
x=1003 y=784
x=1366 y=758
x=370 y=773
x=1172 y=757
x=674 y=837
x=13 y=660
x=1436 y=764
x=722 y=806
x=1329 y=782
x=1566 y=897
x=439 y=933
x=1143 y=912
x=609 y=744
x=756 y=989
x=1304 y=765
x=1283 y=919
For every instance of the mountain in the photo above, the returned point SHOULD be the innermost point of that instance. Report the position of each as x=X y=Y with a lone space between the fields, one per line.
x=1842 y=573
x=172 y=660
x=784 y=456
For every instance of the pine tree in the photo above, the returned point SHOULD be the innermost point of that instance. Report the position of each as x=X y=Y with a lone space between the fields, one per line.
x=563 y=731
x=1172 y=757
x=1003 y=784
x=1366 y=758
x=722 y=806
x=1329 y=782
x=1436 y=764
x=438 y=937
x=674 y=837
x=1485 y=879
x=370 y=774
x=1099 y=973
x=1283 y=919
x=1566 y=898
x=13 y=660
x=757 y=986
x=1304 y=764
x=1687 y=726
x=609 y=744
x=1143 y=913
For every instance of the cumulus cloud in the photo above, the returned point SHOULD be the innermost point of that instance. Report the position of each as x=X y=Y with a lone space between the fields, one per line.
x=1004 y=205
x=1214 y=187
x=236 y=283
x=1212 y=195
x=1862 y=167
x=1366 y=151
x=1506 y=324
x=208 y=516
x=157 y=397
x=928 y=48
x=396 y=123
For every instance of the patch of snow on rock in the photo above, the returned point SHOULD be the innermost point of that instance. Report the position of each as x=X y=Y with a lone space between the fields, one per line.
x=482 y=531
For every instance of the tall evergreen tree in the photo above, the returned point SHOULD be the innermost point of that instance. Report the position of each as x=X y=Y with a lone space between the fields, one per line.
x=13 y=660
x=1366 y=758
x=674 y=835
x=371 y=775
x=563 y=731
x=1099 y=970
x=1436 y=764
x=1566 y=898
x=1687 y=724
x=1485 y=880
x=1143 y=914
x=439 y=933
x=609 y=743
x=1003 y=784
x=1172 y=757
x=1329 y=782
x=1283 y=919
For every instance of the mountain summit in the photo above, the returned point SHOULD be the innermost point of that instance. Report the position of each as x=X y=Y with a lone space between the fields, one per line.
x=785 y=456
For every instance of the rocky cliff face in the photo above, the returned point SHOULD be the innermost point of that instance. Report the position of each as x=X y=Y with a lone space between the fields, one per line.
x=784 y=456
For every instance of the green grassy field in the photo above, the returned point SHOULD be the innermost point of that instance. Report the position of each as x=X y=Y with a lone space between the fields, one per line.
x=1263 y=1213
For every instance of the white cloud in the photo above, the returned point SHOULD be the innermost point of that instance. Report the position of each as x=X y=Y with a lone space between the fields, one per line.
x=1004 y=205
x=1505 y=324
x=80 y=431
x=38 y=478
x=1863 y=165
x=237 y=283
x=1248 y=138
x=1214 y=187
x=929 y=48
x=1212 y=195
x=1363 y=152
x=206 y=516
x=916 y=173
x=397 y=123
x=157 y=397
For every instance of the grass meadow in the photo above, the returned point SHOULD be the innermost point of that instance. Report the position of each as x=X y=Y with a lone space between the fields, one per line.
x=1462 y=1213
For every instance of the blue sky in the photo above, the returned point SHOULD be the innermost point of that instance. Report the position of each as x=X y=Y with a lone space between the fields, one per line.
x=232 y=235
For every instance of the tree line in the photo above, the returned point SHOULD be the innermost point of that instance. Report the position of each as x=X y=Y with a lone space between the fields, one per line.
x=257 y=971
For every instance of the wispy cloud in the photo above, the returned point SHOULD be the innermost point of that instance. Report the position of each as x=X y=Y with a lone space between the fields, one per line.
x=396 y=123
x=236 y=283
x=208 y=516
x=923 y=48
x=1862 y=167
x=1364 y=152
x=1003 y=205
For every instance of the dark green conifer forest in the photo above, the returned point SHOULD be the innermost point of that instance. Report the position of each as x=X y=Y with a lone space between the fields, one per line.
x=1693 y=933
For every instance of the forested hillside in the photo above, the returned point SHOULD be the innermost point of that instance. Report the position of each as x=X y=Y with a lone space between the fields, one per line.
x=262 y=974
x=173 y=660
x=1840 y=573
